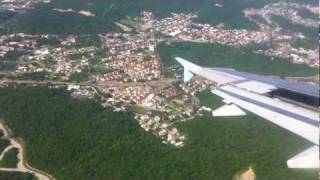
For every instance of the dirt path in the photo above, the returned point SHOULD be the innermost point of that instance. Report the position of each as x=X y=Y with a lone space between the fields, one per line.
x=22 y=165
x=5 y=150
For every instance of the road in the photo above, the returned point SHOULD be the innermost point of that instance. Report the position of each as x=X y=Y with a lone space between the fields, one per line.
x=156 y=83
x=100 y=84
x=5 y=151
x=22 y=165
x=8 y=81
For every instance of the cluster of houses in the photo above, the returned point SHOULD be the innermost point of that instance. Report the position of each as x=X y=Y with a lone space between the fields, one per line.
x=16 y=42
x=196 y=85
x=131 y=57
x=163 y=127
x=63 y=59
x=146 y=96
x=282 y=41
x=175 y=24
x=296 y=55
x=78 y=91
x=165 y=131
x=170 y=92
x=217 y=34
x=134 y=94
x=287 y=10
x=146 y=19
x=181 y=27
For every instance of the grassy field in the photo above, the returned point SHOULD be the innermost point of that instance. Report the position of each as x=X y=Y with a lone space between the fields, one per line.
x=215 y=55
x=80 y=76
x=138 y=110
x=38 y=76
x=78 y=139
x=131 y=23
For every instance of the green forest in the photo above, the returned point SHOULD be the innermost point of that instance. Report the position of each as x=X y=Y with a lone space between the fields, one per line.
x=3 y=143
x=207 y=98
x=16 y=176
x=10 y=159
x=78 y=139
x=243 y=59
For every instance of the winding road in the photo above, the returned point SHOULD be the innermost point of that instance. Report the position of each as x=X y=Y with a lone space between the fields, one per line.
x=22 y=165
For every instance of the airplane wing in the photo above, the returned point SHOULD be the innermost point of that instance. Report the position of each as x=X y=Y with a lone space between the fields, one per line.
x=259 y=95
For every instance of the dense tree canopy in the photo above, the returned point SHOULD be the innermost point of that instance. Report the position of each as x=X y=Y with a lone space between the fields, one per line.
x=16 y=176
x=243 y=59
x=78 y=139
x=10 y=159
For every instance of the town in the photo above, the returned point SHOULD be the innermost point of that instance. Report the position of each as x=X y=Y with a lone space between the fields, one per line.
x=123 y=70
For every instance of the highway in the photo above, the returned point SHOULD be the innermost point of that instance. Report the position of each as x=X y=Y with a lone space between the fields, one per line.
x=100 y=84
x=156 y=83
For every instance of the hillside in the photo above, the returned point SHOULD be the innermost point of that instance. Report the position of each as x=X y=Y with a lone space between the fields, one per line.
x=42 y=19
x=78 y=139
x=242 y=59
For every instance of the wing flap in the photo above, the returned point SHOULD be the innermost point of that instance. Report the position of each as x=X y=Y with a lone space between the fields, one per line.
x=306 y=159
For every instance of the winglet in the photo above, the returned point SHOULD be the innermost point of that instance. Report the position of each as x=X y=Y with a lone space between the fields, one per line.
x=189 y=68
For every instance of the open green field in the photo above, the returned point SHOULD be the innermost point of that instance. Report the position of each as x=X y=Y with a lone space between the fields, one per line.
x=38 y=76
x=81 y=76
x=243 y=59
x=42 y=19
x=78 y=139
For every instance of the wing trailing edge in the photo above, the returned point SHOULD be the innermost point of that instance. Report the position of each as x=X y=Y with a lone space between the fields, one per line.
x=306 y=159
